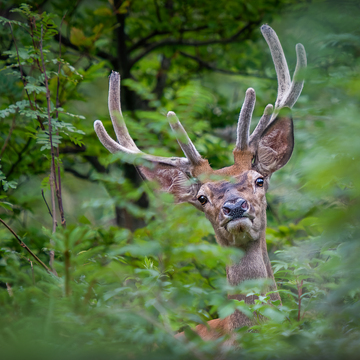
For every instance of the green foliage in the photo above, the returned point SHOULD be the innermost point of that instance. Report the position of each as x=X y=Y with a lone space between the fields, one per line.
x=123 y=291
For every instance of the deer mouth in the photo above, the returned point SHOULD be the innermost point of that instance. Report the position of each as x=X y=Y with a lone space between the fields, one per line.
x=244 y=216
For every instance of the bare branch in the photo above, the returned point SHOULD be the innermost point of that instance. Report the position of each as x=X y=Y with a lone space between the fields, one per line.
x=25 y=246
x=144 y=40
x=169 y=41
x=208 y=66
x=65 y=41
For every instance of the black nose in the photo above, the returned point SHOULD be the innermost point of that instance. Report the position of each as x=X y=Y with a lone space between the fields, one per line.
x=235 y=208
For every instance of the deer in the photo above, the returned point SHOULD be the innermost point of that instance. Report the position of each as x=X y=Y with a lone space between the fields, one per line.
x=232 y=198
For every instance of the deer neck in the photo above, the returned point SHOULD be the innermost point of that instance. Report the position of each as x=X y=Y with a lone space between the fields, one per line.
x=255 y=264
x=251 y=266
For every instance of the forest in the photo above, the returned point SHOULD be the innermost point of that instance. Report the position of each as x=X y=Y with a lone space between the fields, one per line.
x=95 y=262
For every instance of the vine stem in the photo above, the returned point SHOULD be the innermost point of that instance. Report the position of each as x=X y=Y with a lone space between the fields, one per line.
x=22 y=244
x=58 y=188
x=52 y=178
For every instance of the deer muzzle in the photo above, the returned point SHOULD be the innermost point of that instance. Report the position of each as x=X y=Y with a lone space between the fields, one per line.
x=235 y=209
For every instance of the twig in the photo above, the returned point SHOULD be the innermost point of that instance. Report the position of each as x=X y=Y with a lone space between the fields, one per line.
x=23 y=79
x=9 y=135
x=43 y=195
x=52 y=178
x=25 y=246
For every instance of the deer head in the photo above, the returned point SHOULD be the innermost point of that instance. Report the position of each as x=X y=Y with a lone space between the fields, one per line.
x=232 y=198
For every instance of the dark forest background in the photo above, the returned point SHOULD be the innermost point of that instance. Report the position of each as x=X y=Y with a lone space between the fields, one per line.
x=129 y=269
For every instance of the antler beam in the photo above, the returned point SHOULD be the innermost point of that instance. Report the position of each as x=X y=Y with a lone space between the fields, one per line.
x=288 y=92
x=127 y=145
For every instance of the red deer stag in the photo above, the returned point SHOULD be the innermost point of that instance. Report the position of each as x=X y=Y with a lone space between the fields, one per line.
x=236 y=208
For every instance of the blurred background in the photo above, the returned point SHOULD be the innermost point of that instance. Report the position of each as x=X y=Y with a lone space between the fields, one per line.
x=134 y=269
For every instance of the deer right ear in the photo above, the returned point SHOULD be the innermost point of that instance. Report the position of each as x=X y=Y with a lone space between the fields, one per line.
x=276 y=144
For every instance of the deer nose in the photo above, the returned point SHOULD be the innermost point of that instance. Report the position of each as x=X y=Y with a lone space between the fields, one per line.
x=235 y=208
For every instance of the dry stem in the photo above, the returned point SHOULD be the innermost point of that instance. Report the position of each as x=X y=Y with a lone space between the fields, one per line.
x=52 y=178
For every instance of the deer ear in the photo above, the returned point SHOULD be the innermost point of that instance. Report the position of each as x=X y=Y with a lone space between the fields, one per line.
x=171 y=180
x=276 y=144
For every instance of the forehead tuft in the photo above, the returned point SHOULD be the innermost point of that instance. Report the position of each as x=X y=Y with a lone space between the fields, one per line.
x=218 y=188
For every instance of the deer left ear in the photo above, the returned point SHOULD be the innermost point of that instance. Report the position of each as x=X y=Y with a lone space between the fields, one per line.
x=171 y=180
x=276 y=144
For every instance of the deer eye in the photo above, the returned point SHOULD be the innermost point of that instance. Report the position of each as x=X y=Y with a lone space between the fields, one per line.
x=259 y=182
x=203 y=199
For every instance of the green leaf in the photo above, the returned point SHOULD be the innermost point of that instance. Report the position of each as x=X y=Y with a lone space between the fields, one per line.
x=32 y=88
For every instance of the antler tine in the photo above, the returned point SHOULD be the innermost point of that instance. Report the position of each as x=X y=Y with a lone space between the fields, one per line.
x=260 y=127
x=109 y=143
x=242 y=140
x=116 y=116
x=298 y=83
x=281 y=67
x=183 y=139
x=288 y=91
